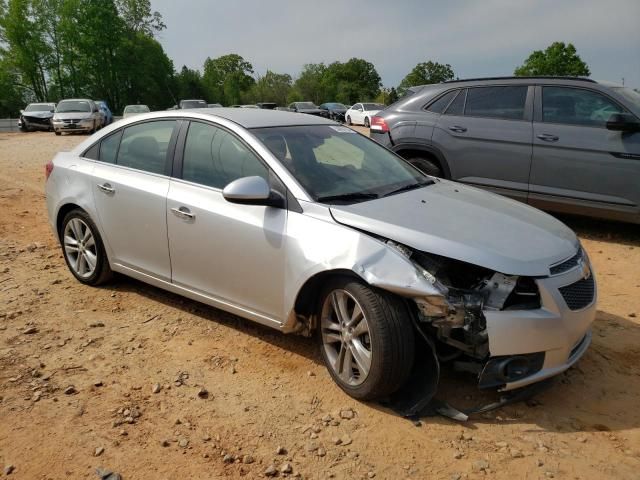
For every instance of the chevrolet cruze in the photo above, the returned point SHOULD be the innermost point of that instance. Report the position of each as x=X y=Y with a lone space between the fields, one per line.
x=308 y=227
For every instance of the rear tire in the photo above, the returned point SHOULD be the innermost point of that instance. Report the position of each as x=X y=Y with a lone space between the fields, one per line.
x=83 y=249
x=366 y=338
x=427 y=166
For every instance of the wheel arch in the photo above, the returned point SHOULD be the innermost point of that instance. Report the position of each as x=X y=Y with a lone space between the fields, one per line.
x=62 y=212
x=307 y=297
x=409 y=150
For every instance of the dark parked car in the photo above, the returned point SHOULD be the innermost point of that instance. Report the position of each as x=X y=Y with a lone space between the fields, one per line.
x=305 y=107
x=267 y=105
x=193 y=104
x=36 y=116
x=333 y=111
x=559 y=143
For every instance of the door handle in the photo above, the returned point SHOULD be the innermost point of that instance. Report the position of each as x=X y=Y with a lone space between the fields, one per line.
x=183 y=212
x=106 y=188
x=457 y=129
x=547 y=137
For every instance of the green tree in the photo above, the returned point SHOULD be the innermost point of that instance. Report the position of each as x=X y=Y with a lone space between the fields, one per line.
x=425 y=73
x=189 y=85
x=310 y=86
x=353 y=81
x=557 y=60
x=272 y=87
x=226 y=79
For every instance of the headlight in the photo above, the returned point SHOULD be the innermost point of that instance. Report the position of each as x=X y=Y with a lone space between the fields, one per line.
x=56 y=119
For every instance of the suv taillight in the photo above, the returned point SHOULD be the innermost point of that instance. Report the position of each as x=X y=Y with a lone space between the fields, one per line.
x=378 y=124
x=48 y=168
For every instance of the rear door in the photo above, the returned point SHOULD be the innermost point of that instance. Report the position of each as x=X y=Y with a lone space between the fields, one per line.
x=578 y=165
x=234 y=254
x=130 y=183
x=485 y=136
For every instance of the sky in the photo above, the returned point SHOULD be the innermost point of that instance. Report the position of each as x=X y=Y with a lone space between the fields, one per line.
x=477 y=38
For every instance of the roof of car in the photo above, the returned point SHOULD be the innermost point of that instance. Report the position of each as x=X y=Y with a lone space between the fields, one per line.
x=529 y=77
x=257 y=118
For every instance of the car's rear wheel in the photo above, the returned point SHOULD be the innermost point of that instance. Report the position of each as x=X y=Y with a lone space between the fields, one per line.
x=349 y=120
x=366 y=122
x=366 y=338
x=426 y=165
x=83 y=249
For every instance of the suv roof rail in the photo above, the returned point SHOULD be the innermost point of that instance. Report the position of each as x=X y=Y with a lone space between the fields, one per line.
x=549 y=77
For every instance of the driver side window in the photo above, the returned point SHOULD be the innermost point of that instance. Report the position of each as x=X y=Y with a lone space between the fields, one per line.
x=577 y=106
x=215 y=157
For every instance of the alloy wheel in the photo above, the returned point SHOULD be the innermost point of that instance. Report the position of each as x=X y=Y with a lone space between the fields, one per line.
x=346 y=338
x=80 y=248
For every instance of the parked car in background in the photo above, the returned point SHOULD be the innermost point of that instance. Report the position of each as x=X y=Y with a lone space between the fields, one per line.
x=131 y=110
x=267 y=105
x=308 y=227
x=283 y=109
x=563 y=144
x=361 y=113
x=214 y=105
x=36 y=116
x=76 y=115
x=333 y=111
x=193 y=104
x=309 y=108
x=106 y=112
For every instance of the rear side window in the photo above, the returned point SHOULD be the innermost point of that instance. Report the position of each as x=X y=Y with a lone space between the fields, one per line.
x=441 y=103
x=497 y=102
x=214 y=157
x=457 y=106
x=109 y=148
x=92 y=152
x=576 y=106
x=144 y=146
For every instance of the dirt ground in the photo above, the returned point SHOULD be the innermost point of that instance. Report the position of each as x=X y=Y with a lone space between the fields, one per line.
x=110 y=377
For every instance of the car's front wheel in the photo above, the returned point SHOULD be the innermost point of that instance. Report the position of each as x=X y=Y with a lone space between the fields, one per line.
x=366 y=122
x=366 y=338
x=349 y=120
x=83 y=249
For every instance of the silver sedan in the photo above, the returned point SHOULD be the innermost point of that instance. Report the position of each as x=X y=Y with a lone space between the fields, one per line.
x=306 y=226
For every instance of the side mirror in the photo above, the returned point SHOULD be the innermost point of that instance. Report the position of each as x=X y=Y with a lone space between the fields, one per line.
x=623 y=122
x=252 y=191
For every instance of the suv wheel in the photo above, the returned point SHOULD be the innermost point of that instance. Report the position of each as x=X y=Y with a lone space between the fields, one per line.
x=366 y=338
x=427 y=166
x=83 y=249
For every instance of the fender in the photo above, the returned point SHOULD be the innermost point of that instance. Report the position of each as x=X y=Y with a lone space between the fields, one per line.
x=398 y=147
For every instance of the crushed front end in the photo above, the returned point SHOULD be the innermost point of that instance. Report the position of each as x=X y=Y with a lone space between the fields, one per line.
x=508 y=330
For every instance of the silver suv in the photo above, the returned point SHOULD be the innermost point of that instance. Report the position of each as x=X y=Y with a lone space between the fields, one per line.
x=563 y=144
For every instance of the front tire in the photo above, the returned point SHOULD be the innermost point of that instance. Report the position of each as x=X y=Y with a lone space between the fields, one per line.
x=366 y=122
x=58 y=133
x=366 y=338
x=349 y=120
x=83 y=249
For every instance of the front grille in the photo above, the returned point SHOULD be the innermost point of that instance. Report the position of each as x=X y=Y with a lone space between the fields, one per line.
x=74 y=120
x=580 y=294
x=567 y=264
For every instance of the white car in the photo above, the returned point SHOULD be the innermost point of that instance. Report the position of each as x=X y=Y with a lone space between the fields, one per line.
x=361 y=113
x=131 y=110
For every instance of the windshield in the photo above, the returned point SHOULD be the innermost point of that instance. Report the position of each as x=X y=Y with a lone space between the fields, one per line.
x=193 y=104
x=306 y=105
x=334 y=164
x=629 y=94
x=336 y=105
x=73 y=106
x=39 y=107
x=136 y=109
x=373 y=106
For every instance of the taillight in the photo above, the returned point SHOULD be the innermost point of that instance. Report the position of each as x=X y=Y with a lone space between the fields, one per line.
x=378 y=124
x=48 y=168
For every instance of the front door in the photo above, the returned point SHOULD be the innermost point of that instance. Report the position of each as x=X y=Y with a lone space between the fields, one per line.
x=578 y=165
x=485 y=136
x=130 y=185
x=233 y=254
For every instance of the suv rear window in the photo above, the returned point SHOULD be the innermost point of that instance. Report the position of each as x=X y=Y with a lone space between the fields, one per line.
x=441 y=103
x=506 y=102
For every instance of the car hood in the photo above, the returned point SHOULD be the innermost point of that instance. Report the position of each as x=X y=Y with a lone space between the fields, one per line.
x=70 y=115
x=41 y=114
x=467 y=224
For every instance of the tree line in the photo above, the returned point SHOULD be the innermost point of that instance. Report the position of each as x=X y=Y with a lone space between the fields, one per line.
x=107 y=50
